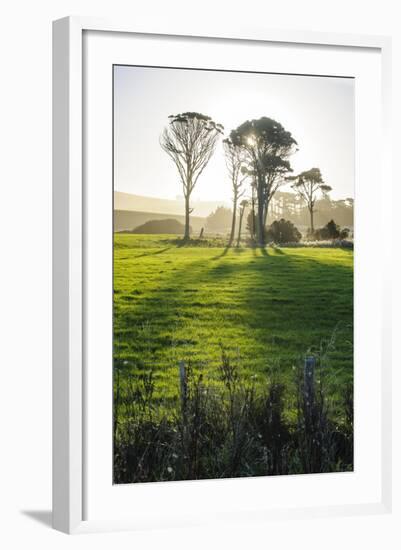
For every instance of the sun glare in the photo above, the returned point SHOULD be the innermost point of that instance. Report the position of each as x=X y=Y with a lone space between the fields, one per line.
x=251 y=140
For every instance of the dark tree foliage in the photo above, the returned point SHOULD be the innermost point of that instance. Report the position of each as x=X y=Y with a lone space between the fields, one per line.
x=190 y=140
x=267 y=147
x=283 y=231
x=331 y=231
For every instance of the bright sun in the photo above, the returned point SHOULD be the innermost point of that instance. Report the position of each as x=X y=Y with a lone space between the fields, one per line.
x=251 y=140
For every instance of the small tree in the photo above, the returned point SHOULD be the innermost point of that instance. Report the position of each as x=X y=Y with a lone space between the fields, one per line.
x=283 y=231
x=235 y=159
x=243 y=205
x=190 y=140
x=331 y=231
x=307 y=185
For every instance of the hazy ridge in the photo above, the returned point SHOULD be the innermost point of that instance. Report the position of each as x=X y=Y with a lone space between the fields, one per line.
x=140 y=203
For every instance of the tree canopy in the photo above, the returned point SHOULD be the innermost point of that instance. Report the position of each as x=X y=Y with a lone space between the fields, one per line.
x=267 y=146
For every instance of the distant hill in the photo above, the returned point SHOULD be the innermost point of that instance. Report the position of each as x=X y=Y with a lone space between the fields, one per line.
x=127 y=220
x=139 y=203
x=156 y=227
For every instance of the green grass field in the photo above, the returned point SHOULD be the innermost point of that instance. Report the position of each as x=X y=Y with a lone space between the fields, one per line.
x=265 y=306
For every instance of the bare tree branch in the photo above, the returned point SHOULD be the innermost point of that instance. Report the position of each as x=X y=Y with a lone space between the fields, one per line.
x=190 y=140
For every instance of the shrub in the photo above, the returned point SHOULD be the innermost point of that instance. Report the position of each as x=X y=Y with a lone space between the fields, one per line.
x=283 y=231
x=330 y=231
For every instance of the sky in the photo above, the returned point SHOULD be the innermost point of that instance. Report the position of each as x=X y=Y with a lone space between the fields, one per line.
x=318 y=111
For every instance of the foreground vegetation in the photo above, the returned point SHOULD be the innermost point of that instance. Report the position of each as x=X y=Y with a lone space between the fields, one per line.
x=251 y=312
x=239 y=429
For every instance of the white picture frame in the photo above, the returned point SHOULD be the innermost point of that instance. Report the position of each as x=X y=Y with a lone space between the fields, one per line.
x=70 y=257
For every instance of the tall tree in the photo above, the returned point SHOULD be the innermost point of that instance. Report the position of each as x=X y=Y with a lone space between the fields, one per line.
x=308 y=185
x=190 y=140
x=267 y=146
x=235 y=159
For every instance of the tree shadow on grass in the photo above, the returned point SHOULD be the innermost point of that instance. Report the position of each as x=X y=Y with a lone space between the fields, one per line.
x=228 y=248
x=224 y=253
x=278 y=251
x=274 y=295
x=153 y=253
x=233 y=249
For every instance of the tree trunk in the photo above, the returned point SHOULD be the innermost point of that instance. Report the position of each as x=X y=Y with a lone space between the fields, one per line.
x=186 y=232
x=265 y=218
x=241 y=215
x=253 y=218
x=260 y=228
x=265 y=213
x=233 y=221
x=312 y=229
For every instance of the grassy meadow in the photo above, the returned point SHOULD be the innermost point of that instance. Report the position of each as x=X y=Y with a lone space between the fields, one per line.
x=266 y=308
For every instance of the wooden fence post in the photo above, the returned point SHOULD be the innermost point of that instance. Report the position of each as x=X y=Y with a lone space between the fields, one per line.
x=309 y=383
x=116 y=407
x=183 y=386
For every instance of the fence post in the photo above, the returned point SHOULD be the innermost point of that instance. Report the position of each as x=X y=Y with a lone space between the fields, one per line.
x=183 y=386
x=309 y=383
x=116 y=406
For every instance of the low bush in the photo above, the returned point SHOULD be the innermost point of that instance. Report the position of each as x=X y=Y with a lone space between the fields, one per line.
x=282 y=231
x=331 y=231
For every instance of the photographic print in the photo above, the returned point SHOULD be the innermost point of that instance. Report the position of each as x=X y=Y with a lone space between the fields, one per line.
x=232 y=274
